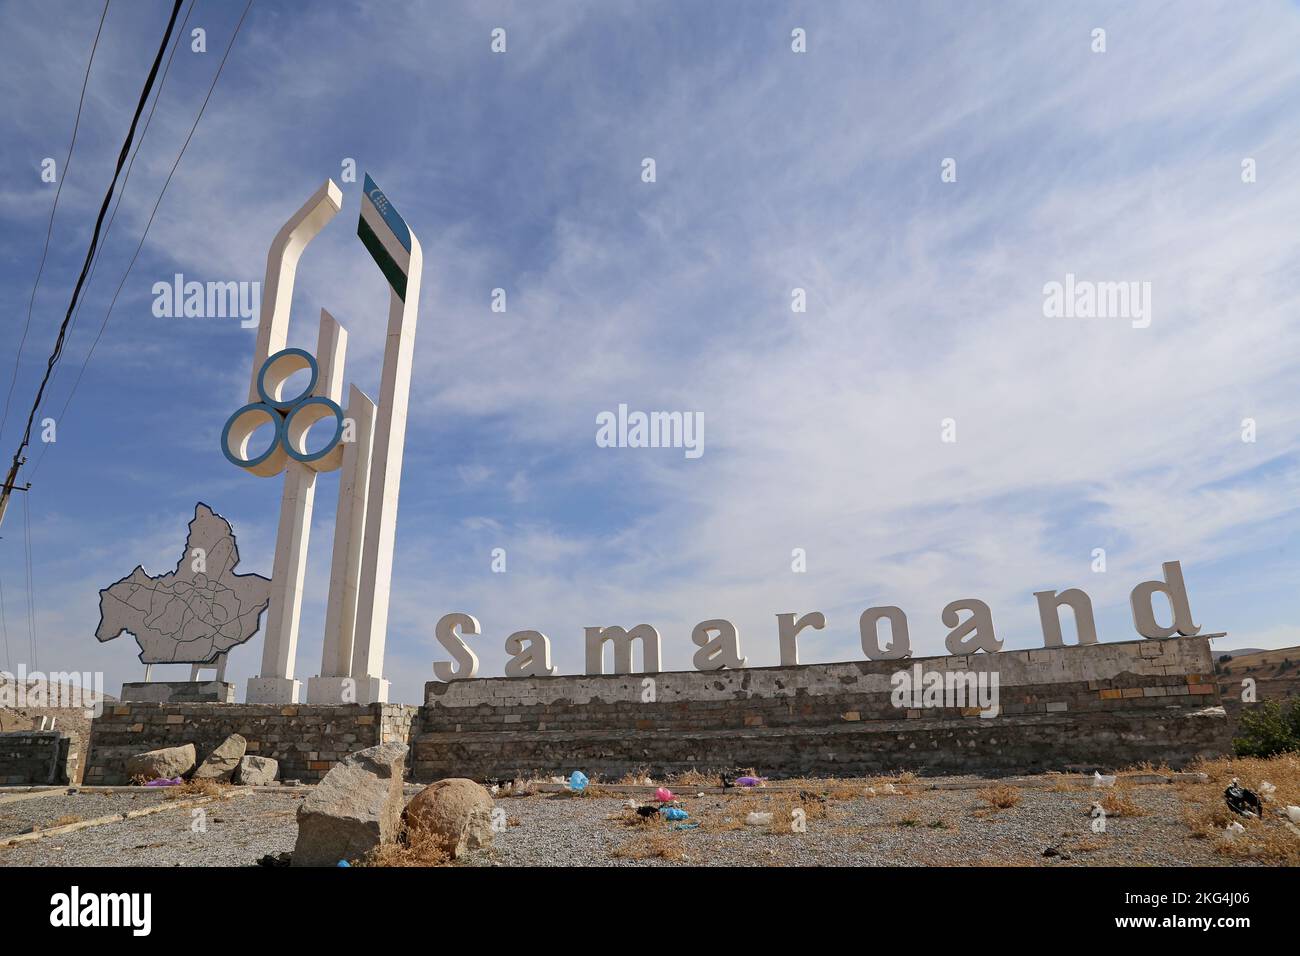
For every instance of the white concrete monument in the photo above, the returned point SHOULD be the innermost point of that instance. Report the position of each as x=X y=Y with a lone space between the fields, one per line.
x=366 y=443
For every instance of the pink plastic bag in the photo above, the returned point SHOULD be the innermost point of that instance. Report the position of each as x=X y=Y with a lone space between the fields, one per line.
x=664 y=795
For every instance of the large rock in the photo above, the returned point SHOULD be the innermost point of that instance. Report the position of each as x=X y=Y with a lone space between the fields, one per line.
x=161 y=764
x=455 y=813
x=224 y=761
x=258 y=771
x=354 y=809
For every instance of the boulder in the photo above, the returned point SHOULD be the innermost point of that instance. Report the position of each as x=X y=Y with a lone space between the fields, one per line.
x=455 y=813
x=354 y=809
x=222 y=763
x=258 y=771
x=161 y=764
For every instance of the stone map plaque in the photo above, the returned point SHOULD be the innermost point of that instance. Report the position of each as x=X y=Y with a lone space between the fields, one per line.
x=195 y=613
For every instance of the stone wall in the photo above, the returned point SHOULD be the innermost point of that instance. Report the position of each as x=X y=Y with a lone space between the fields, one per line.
x=179 y=692
x=306 y=739
x=1102 y=706
x=33 y=758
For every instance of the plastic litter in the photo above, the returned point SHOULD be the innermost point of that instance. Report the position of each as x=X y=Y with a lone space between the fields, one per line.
x=1293 y=814
x=1241 y=801
x=1100 y=780
x=757 y=819
x=749 y=781
x=664 y=795
x=1233 y=829
x=344 y=863
x=165 y=782
x=1266 y=790
x=673 y=813
x=578 y=781
x=687 y=826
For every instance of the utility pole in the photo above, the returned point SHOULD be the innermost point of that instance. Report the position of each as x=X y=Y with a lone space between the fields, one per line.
x=8 y=487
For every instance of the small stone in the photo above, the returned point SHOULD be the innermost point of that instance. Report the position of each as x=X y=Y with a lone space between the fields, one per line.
x=258 y=771
x=161 y=764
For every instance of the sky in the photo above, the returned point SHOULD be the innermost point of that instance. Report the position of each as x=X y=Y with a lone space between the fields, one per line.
x=774 y=171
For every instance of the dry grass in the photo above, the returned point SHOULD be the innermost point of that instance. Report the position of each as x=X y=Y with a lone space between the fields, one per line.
x=1269 y=840
x=1118 y=802
x=662 y=846
x=696 y=779
x=630 y=818
x=840 y=791
x=1001 y=797
x=197 y=788
x=414 y=847
x=781 y=804
x=1147 y=766
x=635 y=778
x=63 y=821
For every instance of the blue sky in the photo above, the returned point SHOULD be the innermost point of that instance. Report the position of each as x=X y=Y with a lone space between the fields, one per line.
x=775 y=170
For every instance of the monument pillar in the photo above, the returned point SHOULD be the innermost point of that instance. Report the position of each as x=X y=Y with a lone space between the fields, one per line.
x=396 y=250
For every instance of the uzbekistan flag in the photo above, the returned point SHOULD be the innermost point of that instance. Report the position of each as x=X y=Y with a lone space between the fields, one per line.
x=386 y=235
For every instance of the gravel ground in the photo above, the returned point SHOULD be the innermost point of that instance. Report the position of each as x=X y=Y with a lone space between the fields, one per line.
x=236 y=832
x=19 y=816
x=917 y=828
x=933 y=828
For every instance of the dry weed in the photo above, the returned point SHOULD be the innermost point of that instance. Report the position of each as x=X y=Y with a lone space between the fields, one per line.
x=1001 y=797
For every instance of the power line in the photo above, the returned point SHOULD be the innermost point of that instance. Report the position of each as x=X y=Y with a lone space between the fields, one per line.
x=31 y=599
x=149 y=224
x=49 y=231
x=126 y=183
x=18 y=459
x=4 y=628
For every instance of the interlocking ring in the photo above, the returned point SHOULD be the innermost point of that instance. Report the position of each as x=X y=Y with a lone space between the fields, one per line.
x=291 y=418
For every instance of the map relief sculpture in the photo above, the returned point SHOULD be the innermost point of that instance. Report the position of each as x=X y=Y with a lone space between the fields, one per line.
x=194 y=614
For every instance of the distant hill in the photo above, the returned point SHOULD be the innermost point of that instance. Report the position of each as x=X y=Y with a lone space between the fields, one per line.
x=1281 y=663
x=1236 y=651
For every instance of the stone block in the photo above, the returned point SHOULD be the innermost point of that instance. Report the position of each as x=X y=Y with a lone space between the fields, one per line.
x=356 y=807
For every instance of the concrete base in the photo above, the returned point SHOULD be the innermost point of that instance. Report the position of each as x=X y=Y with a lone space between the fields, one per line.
x=179 y=691
x=347 y=690
x=372 y=690
x=273 y=690
x=331 y=690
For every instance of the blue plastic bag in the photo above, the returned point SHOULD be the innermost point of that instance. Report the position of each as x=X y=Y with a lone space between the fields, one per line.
x=673 y=813
x=578 y=781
